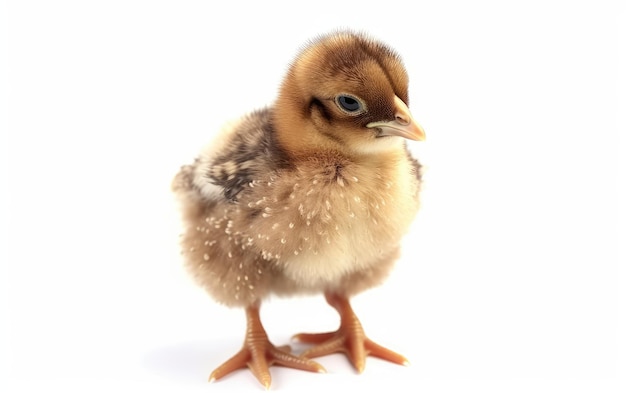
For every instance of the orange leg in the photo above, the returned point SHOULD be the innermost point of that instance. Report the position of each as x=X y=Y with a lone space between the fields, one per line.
x=349 y=338
x=258 y=354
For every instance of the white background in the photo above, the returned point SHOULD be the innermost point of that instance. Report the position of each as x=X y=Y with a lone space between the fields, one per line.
x=509 y=280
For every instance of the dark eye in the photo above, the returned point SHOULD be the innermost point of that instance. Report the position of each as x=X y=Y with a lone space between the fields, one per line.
x=350 y=104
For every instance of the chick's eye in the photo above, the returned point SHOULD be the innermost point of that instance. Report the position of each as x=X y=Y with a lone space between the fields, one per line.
x=349 y=104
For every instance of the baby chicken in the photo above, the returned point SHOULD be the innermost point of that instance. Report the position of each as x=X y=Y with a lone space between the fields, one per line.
x=311 y=195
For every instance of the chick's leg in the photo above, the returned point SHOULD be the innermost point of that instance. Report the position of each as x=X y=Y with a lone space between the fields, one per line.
x=258 y=353
x=349 y=338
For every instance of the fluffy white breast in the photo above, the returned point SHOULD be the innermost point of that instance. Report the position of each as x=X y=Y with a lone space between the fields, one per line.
x=319 y=224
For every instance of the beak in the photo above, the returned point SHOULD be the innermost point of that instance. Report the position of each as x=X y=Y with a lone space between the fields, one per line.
x=403 y=125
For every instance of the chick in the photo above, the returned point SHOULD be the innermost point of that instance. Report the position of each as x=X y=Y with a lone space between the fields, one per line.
x=311 y=195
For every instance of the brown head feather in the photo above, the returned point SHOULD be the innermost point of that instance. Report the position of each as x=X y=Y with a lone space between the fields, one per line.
x=306 y=114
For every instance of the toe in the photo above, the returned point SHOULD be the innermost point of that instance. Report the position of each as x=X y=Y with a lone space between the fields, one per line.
x=384 y=353
x=240 y=360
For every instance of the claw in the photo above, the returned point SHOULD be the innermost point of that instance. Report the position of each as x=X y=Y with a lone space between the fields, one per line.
x=349 y=339
x=258 y=354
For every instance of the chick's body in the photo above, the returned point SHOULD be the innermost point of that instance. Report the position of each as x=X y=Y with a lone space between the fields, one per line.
x=260 y=223
x=311 y=195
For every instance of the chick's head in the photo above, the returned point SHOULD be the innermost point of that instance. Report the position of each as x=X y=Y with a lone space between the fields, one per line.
x=345 y=91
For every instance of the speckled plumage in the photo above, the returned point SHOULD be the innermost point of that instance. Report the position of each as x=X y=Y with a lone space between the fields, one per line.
x=328 y=223
x=303 y=197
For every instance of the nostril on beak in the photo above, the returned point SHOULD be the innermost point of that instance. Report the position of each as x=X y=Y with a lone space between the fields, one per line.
x=403 y=120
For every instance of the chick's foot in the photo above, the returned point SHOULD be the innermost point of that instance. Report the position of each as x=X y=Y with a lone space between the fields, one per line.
x=258 y=354
x=349 y=339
